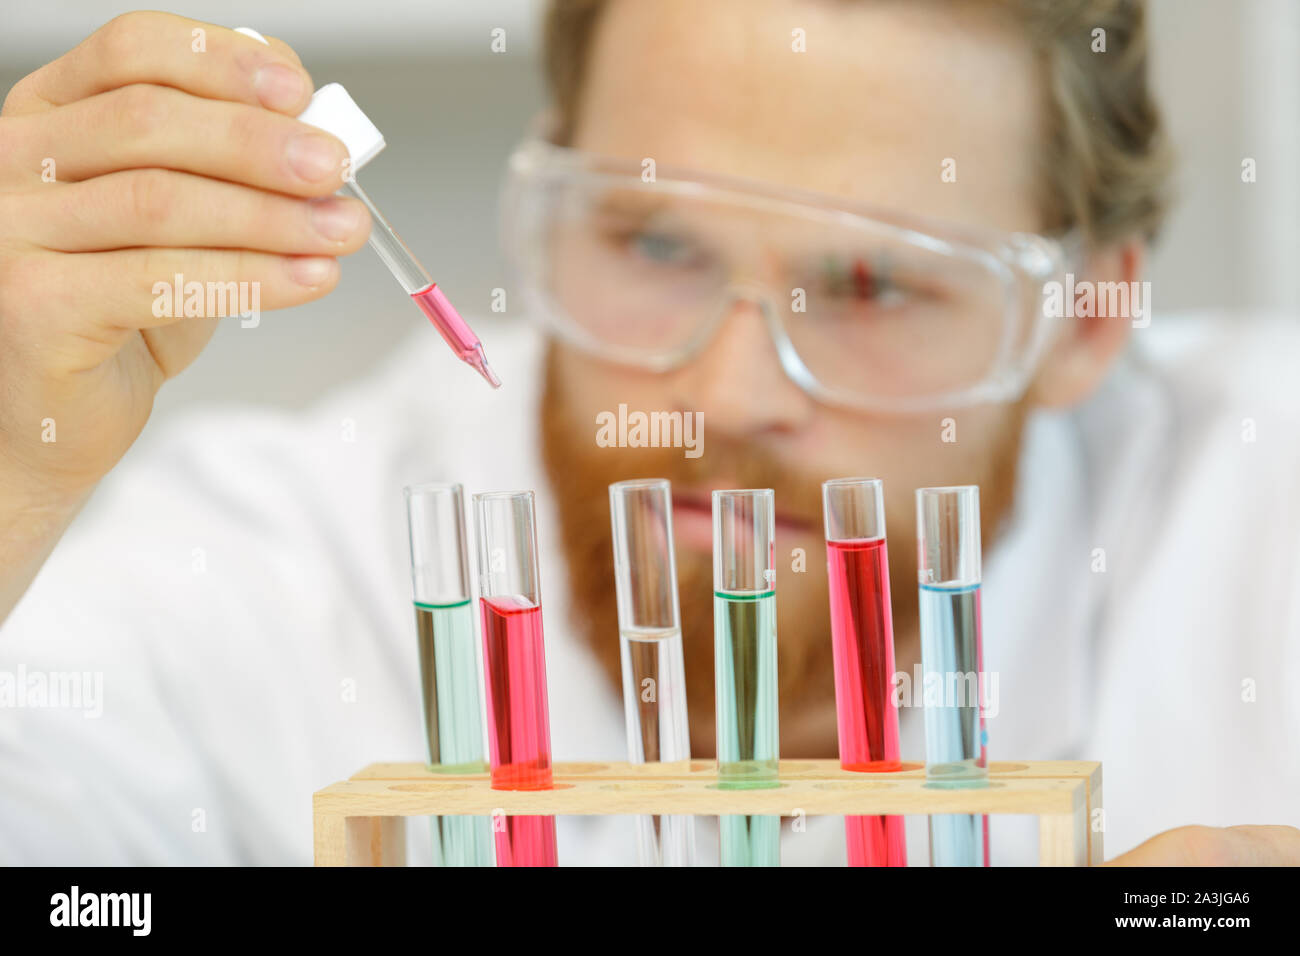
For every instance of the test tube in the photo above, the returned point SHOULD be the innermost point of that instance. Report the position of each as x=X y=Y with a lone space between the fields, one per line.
x=948 y=572
x=744 y=631
x=650 y=645
x=514 y=655
x=862 y=640
x=450 y=676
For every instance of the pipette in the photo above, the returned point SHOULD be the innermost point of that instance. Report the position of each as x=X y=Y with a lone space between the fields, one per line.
x=407 y=270
x=334 y=111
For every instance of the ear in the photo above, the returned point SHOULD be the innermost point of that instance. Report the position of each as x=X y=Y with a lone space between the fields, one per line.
x=1091 y=340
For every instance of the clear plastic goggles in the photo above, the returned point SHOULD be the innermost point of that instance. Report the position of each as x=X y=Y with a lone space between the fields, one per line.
x=866 y=310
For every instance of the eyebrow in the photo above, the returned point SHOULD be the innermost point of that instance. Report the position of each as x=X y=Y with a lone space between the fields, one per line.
x=629 y=205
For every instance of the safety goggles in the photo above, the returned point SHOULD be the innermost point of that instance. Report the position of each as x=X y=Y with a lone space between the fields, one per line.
x=866 y=309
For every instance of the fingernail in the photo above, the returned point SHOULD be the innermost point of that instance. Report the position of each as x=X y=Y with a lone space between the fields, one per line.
x=334 y=218
x=314 y=157
x=311 y=271
x=279 y=87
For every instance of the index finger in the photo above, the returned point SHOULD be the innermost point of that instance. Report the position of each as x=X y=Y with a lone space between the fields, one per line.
x=167 y=50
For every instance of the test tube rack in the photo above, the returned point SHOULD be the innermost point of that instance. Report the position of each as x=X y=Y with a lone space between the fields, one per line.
x=362 y=821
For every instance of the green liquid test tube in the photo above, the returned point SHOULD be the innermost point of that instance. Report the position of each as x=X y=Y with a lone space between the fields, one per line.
x=744 y=629
x=450 y=671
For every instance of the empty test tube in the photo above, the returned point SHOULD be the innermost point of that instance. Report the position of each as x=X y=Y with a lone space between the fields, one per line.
x=650 y=645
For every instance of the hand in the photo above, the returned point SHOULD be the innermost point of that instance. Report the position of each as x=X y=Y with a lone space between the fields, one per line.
x=166 y=160
x=1217 y=846
x=131 y=159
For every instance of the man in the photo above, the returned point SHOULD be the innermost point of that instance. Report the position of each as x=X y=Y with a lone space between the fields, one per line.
x=852 y=283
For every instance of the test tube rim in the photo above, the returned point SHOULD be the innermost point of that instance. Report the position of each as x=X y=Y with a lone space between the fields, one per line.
x=492 y=495
x=853 y=481
x=618 y=492
x=945 y=488
x=975 y=575
x=764 y=499
x=529 y=498
x=456 y=490
x=829 y=483
x=640 y=483
x=423 y=487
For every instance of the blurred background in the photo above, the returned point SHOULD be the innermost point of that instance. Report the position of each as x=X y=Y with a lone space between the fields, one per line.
x=1228 y=74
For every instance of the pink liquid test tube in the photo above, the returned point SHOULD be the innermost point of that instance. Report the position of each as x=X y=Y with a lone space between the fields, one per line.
x=514 y=664
x=862 y=638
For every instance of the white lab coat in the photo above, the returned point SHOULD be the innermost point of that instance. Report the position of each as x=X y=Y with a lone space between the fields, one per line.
x=242 y=586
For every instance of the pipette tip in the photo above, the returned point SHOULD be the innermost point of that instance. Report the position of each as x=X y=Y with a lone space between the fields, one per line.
x=479 y=361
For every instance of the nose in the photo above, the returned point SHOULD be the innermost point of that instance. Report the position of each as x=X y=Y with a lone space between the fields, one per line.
x=737 y=380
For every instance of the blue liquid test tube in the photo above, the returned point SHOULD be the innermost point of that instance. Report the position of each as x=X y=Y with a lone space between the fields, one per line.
x=948 y=575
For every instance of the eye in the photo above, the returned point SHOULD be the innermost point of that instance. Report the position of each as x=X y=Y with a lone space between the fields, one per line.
x=860 y=281
x=665 y=248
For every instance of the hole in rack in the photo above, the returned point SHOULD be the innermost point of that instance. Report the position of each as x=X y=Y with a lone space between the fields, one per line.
x=996 y=767
x=847 y=785
x=883 y=768
x=574 y=769
x=945 y=785
x=443 y=787
x=797 y=766
x=641 y=786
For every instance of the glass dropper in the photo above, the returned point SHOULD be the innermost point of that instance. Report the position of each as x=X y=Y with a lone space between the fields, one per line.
x=406 y=269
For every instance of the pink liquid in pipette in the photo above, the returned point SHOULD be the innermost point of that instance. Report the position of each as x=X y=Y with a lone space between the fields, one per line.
x=862 y=638
x=519 y=728
x=454 y=330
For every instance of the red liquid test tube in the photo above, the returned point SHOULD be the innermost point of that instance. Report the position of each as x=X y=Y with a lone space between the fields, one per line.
x=862 y=637
x=514 y=664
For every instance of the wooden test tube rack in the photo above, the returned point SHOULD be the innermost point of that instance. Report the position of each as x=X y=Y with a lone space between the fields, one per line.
x=362 y=821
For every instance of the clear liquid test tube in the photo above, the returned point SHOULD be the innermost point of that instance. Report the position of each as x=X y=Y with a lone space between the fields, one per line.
x=514 y=656
x=650 y=646
x=744 y=629
x=450 y=673
x=862 y=641
x=948 y=574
